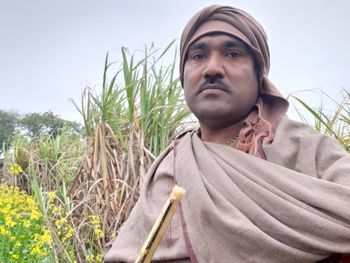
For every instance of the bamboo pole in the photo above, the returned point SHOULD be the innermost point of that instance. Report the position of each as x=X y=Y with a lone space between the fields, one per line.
x=160 y=226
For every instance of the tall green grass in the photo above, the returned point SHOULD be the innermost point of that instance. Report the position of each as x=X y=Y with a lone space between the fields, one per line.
x=138 y=112
x=141 y=96
x=335 y=122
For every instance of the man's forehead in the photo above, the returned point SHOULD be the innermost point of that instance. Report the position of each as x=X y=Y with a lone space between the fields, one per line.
x=222 y=39
x=217 y=26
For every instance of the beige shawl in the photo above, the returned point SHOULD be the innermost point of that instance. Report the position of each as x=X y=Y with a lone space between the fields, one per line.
x=294 y=207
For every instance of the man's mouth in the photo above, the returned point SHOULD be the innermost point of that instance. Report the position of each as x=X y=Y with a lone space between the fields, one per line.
x=212 y=87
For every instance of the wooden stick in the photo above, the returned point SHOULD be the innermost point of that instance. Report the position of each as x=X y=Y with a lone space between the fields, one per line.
x=160 y=226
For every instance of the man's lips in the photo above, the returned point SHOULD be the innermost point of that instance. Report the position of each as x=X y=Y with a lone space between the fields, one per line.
x=212 y=87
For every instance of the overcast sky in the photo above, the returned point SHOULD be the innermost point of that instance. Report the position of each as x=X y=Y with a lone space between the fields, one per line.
x=51 y=50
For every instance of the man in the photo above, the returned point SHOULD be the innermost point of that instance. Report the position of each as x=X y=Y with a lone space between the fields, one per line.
x=259 y=187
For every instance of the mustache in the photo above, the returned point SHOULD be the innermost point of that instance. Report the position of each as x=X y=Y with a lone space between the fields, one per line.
x=218 y=84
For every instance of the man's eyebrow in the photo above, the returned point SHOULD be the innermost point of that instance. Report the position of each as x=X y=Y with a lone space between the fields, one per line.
x=227 y=44
x=197 y=46
x=234 y=43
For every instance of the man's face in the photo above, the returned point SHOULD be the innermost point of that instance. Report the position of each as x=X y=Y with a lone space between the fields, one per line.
x=220 y=80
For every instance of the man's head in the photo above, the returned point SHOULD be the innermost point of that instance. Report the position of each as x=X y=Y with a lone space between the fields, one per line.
x=231 y=21
x=222 y=64
x=259 y=96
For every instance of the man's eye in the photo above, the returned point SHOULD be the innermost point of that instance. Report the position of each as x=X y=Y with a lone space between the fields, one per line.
x=233 y=54
x=198 y=56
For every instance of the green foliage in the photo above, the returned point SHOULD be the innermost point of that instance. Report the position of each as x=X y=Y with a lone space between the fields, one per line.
x=53 y=160
x=36 y=124
x=335 y=123
x=48 y=165
x=85 y=189
x=8 y=124
x=138 y=112
x=23 y=235
x=140 y=97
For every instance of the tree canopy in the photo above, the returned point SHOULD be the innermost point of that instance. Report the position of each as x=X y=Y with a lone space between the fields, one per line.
x=33 y=125
x=8 y=123
x=36 y=124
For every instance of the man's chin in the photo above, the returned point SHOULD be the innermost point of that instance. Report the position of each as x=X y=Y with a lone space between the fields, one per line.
x=215 y=116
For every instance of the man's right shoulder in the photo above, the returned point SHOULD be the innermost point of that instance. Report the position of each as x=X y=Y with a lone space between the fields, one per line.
x=184 y=132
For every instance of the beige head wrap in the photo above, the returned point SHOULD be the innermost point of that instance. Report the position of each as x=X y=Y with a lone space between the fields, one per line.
x=260 y=125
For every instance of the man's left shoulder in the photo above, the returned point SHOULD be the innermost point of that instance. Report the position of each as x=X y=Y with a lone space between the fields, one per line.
x=291 y=127
x=293 y=131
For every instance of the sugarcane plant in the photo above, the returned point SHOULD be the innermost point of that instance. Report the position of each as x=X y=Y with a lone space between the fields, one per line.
x=139 y=111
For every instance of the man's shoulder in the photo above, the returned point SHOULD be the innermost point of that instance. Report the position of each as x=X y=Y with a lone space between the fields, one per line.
x=293 y=132
x=178 y=137
x=182 y=133
x=293 y=128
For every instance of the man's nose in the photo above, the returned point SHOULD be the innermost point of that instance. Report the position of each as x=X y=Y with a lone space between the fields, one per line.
x=214 y=68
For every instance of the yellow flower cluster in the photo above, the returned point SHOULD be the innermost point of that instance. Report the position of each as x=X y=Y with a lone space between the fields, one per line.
x=62 y=223
x=63 y=228
x=22 y=231
x=94 y=259
x=96 y=223
x=16 y=169
x=42 y=240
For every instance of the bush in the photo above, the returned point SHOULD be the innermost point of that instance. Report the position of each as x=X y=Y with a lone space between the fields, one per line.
x=23 y=235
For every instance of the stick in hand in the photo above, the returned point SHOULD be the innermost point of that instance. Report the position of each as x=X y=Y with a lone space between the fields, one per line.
x=160 y=226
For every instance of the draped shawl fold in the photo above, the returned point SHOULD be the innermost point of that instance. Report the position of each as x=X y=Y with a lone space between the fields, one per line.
x=294 y=207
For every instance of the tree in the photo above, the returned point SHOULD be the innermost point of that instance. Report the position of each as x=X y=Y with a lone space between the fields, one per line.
x=36 y=124
x=8 y=123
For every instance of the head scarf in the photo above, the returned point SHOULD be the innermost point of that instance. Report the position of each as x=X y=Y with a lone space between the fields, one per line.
x=261 y=123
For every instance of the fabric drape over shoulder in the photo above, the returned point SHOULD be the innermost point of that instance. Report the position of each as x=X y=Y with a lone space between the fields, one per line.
x=294 y=207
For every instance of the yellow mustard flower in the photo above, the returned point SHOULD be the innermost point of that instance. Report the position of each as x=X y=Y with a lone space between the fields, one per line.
x=51 y=196
x=16 y=169
x=98 y=258
x=22 y=230
x=90 y=258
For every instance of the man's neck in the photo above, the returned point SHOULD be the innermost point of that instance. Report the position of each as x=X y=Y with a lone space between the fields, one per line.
x=220 y=135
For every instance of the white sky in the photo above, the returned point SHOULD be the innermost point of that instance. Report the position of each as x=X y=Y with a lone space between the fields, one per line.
x=50 y=50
